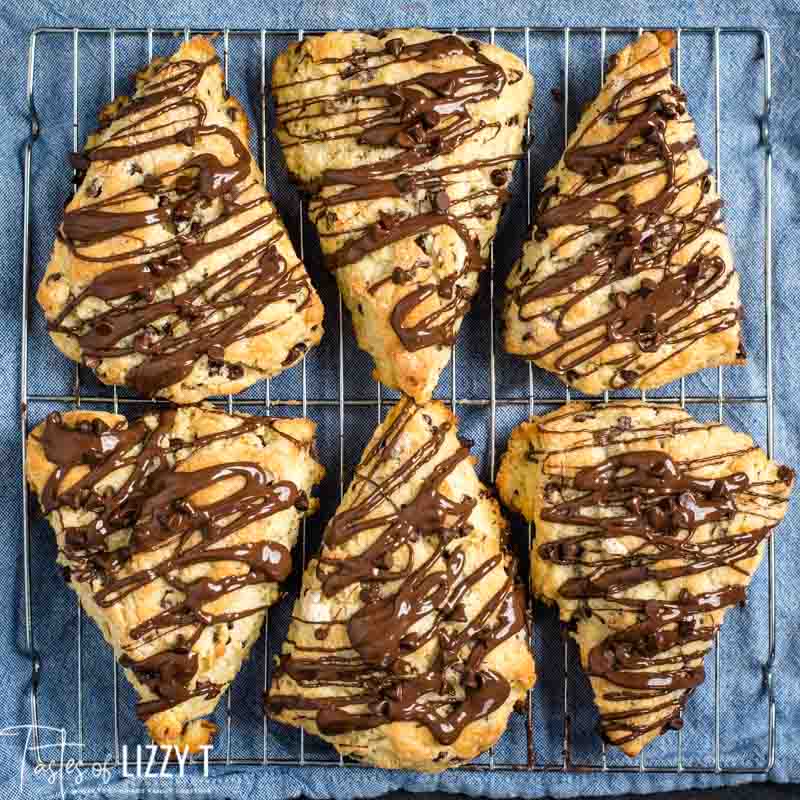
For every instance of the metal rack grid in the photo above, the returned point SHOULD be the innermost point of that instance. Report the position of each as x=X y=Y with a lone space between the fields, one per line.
x=569 y=761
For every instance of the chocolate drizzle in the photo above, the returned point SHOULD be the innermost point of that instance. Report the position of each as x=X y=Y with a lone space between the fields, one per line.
x=415 y=121
x=634 y=523
x=649 y=262
x=406 y=604
x=147 y=527
x=154 y=303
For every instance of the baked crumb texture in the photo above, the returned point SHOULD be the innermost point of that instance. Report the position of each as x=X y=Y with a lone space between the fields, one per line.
x=628 y=279
x=649 y=526
x=171 y=272
x=408 y=645
x=406 y=142
x=175 y=531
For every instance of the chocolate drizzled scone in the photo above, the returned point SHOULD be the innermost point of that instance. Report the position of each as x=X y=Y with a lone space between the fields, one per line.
x=175 y=531
x=407 y=647
x=171 y=271
x=628 y=280
x=649 y=526
x=407 y=141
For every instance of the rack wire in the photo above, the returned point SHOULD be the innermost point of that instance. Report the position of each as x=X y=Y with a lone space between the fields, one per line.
x=530 y=760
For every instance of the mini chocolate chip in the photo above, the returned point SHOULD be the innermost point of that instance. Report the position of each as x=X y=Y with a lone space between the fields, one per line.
x=785 y=474
x=430 y=119
x=56 y=276
x=625 y=203
x=435 y=145
x=394 y=46
x=369 y=593
x=441 y=201
x=628 y=375
x=650 y=322
x=184 y=184
x=78 y=161
x=499 y=177
x=404 y=182
x=150 y=183
x=320 y=634
x=232 y=113
x=134 y=169
x=235 y=371
x=569 y=550
x=647 y=287
x=417 y=133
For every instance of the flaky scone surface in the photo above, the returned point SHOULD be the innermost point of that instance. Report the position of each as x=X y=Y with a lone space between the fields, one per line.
x=175 y=530
x=407 y=141
x=407 y=646
x=649 y=526
x=628 y=279
x=171 y=271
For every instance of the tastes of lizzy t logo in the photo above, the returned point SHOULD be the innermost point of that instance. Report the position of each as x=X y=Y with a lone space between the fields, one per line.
x=48 y=756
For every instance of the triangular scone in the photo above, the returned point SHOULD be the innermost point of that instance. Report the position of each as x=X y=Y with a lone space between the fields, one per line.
x=171 y=271
x=407 y=141
x=628 y=279
x=175 y=531
x=407 y=646
x=649 y=526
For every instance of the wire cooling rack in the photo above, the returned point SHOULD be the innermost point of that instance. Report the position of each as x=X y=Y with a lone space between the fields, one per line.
x=73 y=668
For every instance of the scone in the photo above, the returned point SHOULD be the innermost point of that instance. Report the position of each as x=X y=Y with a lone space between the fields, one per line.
x=407 y=141
x=171 y=271
x=175 y=530
x=628 y=280
x=649 y=526
x=407 y=646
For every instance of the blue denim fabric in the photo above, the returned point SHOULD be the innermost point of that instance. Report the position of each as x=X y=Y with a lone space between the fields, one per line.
x=743 y=717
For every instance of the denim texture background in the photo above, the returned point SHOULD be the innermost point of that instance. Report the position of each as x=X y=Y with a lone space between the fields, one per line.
x=743 y=718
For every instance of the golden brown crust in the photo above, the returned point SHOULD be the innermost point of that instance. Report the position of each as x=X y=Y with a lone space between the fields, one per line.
x=537 y=476
x=320 y=67
x=283 y=449
x=288 y=327
x=406 y=744
x=563 y=327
